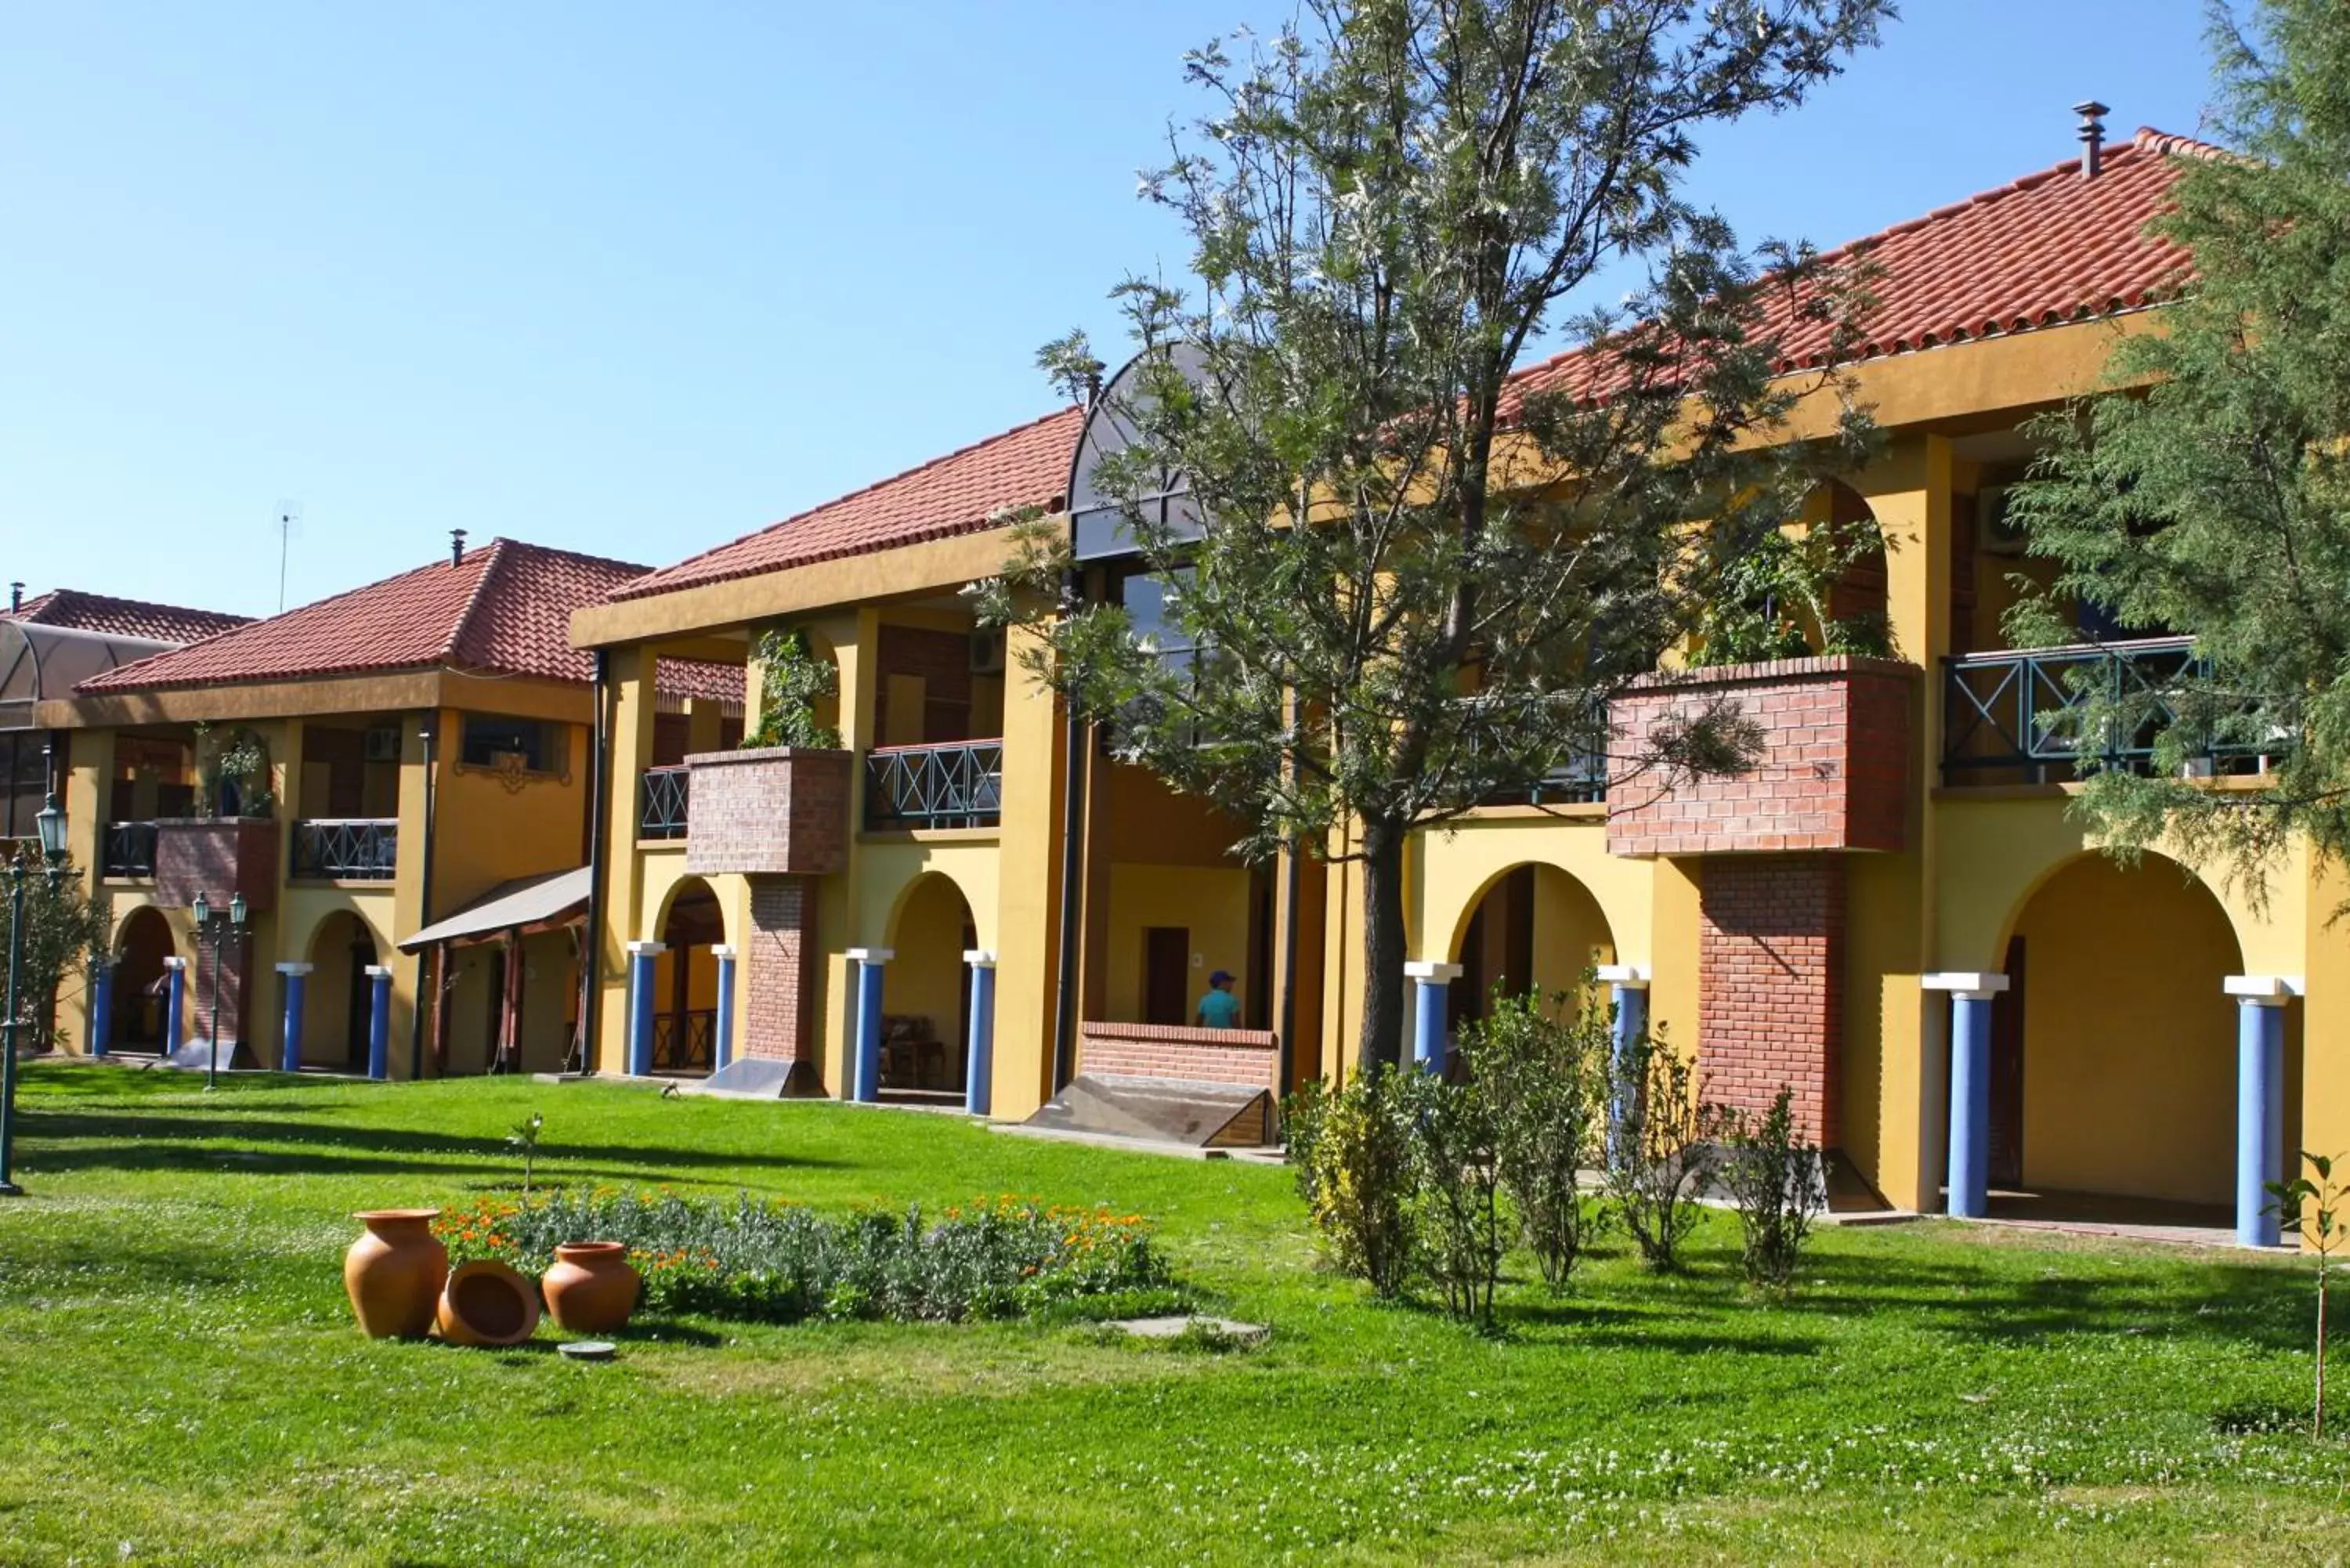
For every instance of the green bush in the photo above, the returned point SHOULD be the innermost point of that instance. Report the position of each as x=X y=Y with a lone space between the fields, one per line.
x=1547 y=1077
x=1776 y=1179
x=793 y=677
x=778 y=1263
x=1352 y=1147
x=1460 y=1221
x=1660 y=1164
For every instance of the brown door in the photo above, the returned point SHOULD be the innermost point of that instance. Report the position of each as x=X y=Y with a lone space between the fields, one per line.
x=1166 y=974
x=2006 y=1165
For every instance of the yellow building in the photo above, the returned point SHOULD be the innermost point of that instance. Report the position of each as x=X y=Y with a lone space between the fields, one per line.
x=1894 y=915
x=345 y=775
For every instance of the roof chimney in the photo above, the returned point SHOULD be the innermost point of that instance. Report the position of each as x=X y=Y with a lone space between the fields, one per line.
x=456 y=546
x=2093 y=136
x=15 y=598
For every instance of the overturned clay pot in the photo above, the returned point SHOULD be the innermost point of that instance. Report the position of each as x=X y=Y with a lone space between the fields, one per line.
x=486 y=1302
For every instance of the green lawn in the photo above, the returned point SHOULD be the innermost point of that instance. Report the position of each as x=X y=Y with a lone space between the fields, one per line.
x=180 y=1381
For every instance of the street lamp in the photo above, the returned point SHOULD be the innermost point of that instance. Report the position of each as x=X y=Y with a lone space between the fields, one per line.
x=223 y=933
x=50 y=821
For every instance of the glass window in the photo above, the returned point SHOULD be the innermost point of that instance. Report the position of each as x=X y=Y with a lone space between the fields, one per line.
x=489 y=736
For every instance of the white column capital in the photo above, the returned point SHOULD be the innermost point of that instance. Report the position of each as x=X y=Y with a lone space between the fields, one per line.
x=175 y=963
x=646 y=949
x=725 y=951
x=979 y=958
x=1432 y=970
x=297 y=968
x=872 y=955
x=1971 y=985
x=1631 y=976
x=2265 y=990
x=378 y=970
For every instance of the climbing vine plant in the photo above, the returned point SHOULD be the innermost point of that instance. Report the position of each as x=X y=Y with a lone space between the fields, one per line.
x=793 y=679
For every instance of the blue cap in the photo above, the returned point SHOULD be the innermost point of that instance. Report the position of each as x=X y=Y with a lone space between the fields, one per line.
x=1219 y=978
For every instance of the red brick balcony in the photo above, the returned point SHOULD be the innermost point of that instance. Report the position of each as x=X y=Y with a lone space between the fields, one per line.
x=1834 y=772
x=771 y=809
x=219 y=857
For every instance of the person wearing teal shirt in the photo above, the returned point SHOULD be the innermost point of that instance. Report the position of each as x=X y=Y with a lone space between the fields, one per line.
x=1219 y=1009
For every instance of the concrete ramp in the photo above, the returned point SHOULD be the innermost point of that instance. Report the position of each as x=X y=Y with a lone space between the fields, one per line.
x=196 y=1057
x=751 y=1078
x=1160 y=1110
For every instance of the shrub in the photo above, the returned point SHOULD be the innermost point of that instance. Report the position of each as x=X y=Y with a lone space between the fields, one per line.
x=1546 y=1077
x=778 y=1263
x=1660 y=1163
x=1353 y=1150
x=1776 y=1179
x=1461 y=1223
x=793 y=677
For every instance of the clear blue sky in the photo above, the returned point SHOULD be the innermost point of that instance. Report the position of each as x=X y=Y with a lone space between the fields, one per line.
x=636 y=280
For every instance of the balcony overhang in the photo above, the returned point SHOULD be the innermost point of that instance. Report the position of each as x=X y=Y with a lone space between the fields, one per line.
x=778 y=810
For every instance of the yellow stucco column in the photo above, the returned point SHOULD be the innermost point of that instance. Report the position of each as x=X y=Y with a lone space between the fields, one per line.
x=84 y=788
x=630 y=680
x=1028 y=897
x=856 y=641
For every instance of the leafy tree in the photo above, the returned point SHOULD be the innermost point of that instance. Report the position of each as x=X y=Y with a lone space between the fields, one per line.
x=2215 y=501
x=65 y=933
x=1389 y=205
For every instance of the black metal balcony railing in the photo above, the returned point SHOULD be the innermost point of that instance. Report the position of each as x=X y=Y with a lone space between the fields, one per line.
x=662 y=801
x=130 y=849
x=2006 y=712
x=346 y=849
x=1581 y=778
x=957 y=784
x=685 y=1041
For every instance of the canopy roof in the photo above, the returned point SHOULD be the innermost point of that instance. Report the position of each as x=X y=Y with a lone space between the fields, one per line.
x=553 y=898
x=40 y=663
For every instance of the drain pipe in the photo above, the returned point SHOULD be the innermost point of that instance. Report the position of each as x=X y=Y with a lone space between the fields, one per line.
x=1074 y=743
x=591 y=963
x=416 y=1010
x=1293 y=878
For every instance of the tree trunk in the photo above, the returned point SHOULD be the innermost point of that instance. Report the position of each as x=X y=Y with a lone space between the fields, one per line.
x=1382 y=947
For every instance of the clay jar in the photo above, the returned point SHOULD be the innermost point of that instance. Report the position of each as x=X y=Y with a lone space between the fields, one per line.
x=486 y=1302
x=591 y=1288
x=395 y=1271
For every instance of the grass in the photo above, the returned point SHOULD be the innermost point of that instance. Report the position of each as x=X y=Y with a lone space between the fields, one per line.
x=180 y=1382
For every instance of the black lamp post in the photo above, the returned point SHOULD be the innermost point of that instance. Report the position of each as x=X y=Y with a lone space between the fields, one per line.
x=51 y=822
x=224 y=932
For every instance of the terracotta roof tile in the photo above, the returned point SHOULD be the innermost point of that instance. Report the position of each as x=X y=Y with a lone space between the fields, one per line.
x=75 y=610
x=2049 y=248
x=953 y=494
x=503 y=610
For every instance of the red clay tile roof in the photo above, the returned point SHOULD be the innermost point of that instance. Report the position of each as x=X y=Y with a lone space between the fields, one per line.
x=2050 y=248
x=504 y=609
x=75 y=610
x=1025 y=466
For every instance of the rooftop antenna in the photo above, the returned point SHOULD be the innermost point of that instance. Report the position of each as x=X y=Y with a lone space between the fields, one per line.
x=289 y=516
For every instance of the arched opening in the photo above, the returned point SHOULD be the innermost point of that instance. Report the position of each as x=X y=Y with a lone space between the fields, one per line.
x=1534 y=929
x=685 y=982
x=926 y=992
x=338 y=998
x=142 y=984
x=2113 y=1068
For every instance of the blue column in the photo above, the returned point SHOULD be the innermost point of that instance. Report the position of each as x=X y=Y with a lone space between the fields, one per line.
x=298 y=976
x=866 y=1084
x=2260 y=1103
x=101 y=1006
x=722 y=1043
x=979 y=1066
x=173 y=1028
x=1432 y=980
x=642 y=957
x=379 y=1022
x=1627 y=998
x=1972 y=994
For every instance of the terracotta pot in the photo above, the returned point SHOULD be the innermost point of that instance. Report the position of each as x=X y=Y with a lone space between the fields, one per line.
x=591 y=1288
x=394 y=1272
x=486 y=1302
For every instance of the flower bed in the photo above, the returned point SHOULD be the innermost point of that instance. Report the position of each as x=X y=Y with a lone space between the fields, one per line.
x=781 y=1264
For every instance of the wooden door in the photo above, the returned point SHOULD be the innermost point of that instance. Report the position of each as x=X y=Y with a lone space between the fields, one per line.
x=2006 y=1164
x=1166 y=974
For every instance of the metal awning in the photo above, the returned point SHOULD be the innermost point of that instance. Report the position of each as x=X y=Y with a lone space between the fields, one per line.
x=44 y=663
x=554 y=899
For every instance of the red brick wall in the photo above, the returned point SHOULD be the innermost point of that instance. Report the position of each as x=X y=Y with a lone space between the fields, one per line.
x=1770 y=985
x=1833 y=773
x=218 y=857
x=1246 y=1056
x=768 y=810
x=235 y=974
x=779 y=970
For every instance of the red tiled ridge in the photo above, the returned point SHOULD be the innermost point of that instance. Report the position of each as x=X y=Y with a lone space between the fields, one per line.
x=71 y=610
x=2047 y=249
x=503 y=610
x=958 y=494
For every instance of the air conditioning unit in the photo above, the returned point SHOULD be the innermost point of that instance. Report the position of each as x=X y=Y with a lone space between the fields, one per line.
x=1994 y=533
x=987 y=651
x=383 y=744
